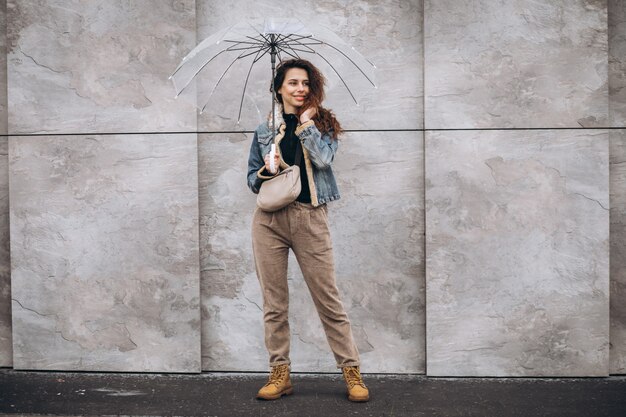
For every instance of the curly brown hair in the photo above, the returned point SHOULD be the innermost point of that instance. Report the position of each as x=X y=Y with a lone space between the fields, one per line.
x=325 y=120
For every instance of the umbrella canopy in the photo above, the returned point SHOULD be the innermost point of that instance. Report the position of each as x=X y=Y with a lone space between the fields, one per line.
x=250 y=42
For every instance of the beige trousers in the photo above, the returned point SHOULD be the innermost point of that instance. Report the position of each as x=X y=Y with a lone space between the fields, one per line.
x=304 y=229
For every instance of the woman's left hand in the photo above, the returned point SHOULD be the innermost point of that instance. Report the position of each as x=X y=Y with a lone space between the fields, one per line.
x=308 y=114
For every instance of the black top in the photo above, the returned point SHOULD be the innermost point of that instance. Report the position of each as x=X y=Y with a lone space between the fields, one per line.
x=288 y=147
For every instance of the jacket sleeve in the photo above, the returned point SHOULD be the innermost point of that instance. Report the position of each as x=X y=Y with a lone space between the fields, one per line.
x=255 y=164
x=321 y=148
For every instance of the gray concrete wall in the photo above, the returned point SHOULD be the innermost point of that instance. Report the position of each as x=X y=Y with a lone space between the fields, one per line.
x=387 y=33
x=517 y=253
x=377 y=232
x=6 y=353
x=511 y=65
x=3 y=69
x=617 y=115
x=104 y=228
x=377 y=226
x=104 y=248
x=6 y=349
x=97 y=67
x=132 y=252
x=618 y=250
x=517 y=243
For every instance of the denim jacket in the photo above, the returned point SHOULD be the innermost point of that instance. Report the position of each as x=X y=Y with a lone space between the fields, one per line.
x=319 y=151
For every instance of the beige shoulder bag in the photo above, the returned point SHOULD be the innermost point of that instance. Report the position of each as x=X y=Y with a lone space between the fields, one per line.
x=283 y=189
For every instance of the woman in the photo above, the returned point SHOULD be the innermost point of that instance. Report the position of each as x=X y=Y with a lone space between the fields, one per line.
x=302 y=123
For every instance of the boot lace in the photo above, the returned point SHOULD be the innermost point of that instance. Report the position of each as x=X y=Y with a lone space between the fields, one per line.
x=353 y=376
x=277 y=374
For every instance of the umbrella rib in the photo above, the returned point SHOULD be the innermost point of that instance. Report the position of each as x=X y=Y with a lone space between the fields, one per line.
x=257 y=58
x=280 y=37
x=268 y=41
x=298 y=38
x=199 y=69
x=246 y=84
x=246 y=42
x=290 y=46
x=257 y=39
x=297 y=41
x=253 y=52
x=218 y=82
x=199 y=48
x=308 y=50
x=296 y=56
x=311 y=43
x=349 y=59
x=284 y=45
x=205 y=64
x=253 y=28
x=292 y=36
x=224 y=74
x=340 y=77
x=241 y=45
x=280 y=43
x=246 y=48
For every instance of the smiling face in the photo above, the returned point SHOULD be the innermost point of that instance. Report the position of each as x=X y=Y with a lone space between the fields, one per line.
x=295 y=89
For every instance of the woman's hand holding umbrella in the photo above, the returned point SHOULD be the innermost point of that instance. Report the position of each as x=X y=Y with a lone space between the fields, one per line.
x=276 y=163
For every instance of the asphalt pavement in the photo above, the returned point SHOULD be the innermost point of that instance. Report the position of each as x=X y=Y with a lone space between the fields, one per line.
x=29 y=393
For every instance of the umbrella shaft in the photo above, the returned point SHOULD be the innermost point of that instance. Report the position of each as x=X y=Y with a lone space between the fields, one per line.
x=273 y=55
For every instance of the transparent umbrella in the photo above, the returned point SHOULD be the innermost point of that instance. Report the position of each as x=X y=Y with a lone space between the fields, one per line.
x=250 y=42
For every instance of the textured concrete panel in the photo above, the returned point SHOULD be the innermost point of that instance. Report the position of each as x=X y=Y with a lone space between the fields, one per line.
x=94 y=66
x=377 y=232
x=617 y=62
x=617 y=108
x=232 y=329
x=3 y=69
x=6 y=349
x=618 y=251
x=104 y=250
x=519 y=63
x=6 y=354
x=387 y=33
x=517 y=253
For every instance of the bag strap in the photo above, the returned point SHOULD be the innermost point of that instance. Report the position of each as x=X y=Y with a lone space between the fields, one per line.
x=296 y=160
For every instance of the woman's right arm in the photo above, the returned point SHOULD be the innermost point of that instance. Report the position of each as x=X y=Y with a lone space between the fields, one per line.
x=259 y=167
x=255 y=163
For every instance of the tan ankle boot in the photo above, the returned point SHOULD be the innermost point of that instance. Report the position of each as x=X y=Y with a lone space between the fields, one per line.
x=357 y=391
x=279 y=384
